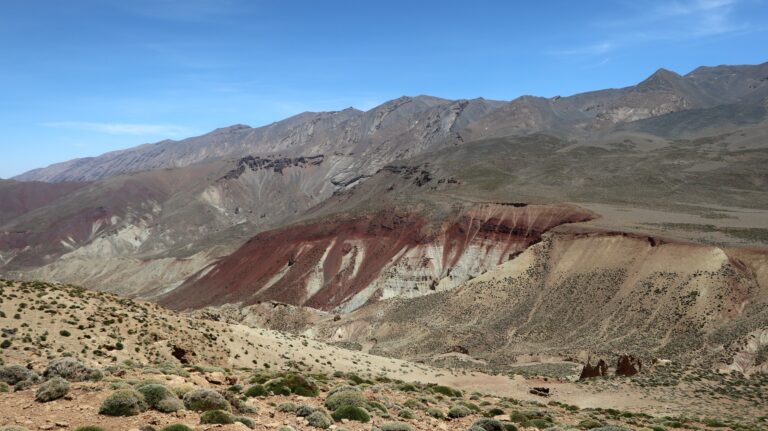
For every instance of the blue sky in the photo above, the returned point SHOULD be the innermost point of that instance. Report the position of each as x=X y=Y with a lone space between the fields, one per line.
x=82 y=77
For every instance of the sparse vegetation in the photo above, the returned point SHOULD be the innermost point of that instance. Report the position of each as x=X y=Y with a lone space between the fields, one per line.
x=53 y=389
x=124 y=402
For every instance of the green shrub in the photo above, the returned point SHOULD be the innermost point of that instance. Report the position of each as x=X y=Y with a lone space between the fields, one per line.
x=64 y=333
x=13 y=374
x=304 y=411
x=472 y=406
x=250 y=423
x=488 y=424
x=458 y=411
x=588 y=424
x=406 y=414
x=71 y=369
x=343 y=388
x=277 y=387
x=217 y=417
x=182 y=390
x=286 y=407
x=375 y=405
x=435 y=413
x=447 y=391
x=202 y=400
x=319 y=419
x=4 y=388
x=396 y=426
x=300 y=385
x=611 y=428
x=177 y=427
x=539 y=423
x=52 y=390
x=352 y=413
x=407 y=387
x=154 y=393
x=523 y=417
x=169 y=405
x=345 y=398
x=493 y=412
x=125 y=402
x=256 y=390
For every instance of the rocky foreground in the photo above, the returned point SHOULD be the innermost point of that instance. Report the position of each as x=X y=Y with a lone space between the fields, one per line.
x=76 y=359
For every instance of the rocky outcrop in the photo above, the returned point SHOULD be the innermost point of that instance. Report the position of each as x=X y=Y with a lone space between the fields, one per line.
x=591 y=371
x=255 y=163
x=348 y=262
x=600 y=292
x=628 y=365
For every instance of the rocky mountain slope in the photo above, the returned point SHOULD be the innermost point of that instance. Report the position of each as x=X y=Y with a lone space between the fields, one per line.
x=411 y=125
x=413 y=198
x=75 y=358
x=580 y=294
x=345 y=263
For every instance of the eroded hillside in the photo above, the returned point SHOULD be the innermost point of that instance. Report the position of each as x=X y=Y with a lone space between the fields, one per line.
x=347 y=262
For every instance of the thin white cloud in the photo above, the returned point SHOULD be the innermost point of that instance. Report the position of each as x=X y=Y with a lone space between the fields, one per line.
x=121 y=128
x=592 y=49
x=669 y=21
x=678 y=8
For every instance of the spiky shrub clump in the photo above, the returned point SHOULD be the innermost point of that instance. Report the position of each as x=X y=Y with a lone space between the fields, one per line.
x=256 y=390
x=201 y=400
x=435 y=413
x=52 y=390
x=217 y=417
x=487 y=424
x=177 y=427
x=396 y=426
x=345 y=398
x=304 y=411
x=169 y=405
x=286 y=407
x=588 y=424
x=154 y=393
x=71 y=369
x=319 y=419
x=458 y=411
x=352 y=413
x=125 y=402
x=300 y=385
x=447 y=391
x=15 y=373
x=250 y=423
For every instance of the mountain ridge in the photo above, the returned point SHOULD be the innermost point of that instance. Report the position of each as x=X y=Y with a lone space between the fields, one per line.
x=662 y=92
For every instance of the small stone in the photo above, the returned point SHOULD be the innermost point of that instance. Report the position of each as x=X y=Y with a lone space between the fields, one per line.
x=46 y=427
x=216 y=378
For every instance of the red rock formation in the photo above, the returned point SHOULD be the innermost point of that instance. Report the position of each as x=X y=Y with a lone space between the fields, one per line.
x=598 y=370
x=628 y=365
x=330 y=263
